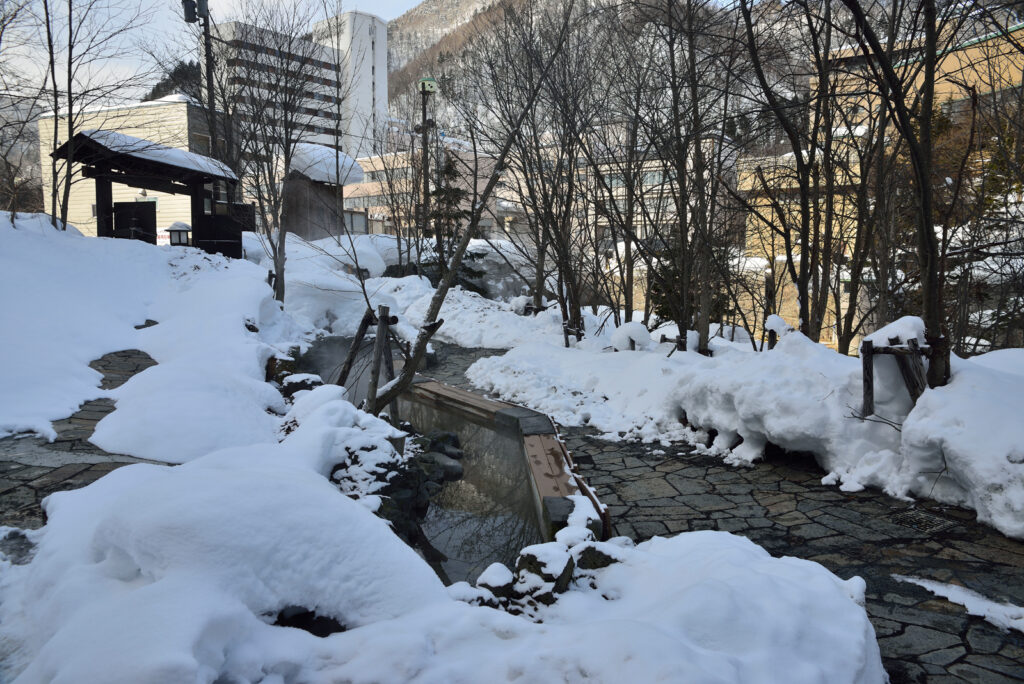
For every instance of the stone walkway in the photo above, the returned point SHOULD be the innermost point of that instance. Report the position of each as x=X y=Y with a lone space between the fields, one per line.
x=781 y=504
x=32 y=468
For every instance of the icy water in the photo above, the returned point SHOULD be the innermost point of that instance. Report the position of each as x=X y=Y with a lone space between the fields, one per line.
x=485 y=517
x=488 y=515
x=325 y=358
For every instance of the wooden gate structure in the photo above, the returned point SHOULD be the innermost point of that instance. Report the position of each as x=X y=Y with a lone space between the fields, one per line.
x=109 y=157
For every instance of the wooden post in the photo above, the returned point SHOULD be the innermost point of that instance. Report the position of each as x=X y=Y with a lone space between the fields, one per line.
x=915 y=383
x=197 y=204
x=632 y=344
x=378 y=353
x=867 y=353
x=353 y=350
x=104 y=208
x=916 y=368
x=769 y=306
x=389 y=373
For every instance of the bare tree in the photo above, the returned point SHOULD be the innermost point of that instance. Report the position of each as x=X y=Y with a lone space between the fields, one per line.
x=87 y=43
x=275 y=67
x=499 y=138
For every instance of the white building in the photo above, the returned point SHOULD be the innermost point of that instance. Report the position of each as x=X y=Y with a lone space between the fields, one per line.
x=362 y=43
x=343 y=73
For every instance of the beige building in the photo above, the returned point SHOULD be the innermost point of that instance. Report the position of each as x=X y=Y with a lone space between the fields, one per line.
x=173 y=121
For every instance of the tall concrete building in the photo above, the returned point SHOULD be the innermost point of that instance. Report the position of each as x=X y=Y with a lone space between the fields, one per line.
x=361 y=40
x=338 y=66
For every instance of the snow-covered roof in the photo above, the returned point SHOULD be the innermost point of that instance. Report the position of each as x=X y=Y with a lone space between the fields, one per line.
x=324 y=164
x=151 y=151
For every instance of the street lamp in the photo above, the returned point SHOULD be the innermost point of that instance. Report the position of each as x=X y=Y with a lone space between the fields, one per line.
x=178 y=233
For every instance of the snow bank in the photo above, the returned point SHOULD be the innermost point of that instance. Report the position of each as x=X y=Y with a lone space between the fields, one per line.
x=627 y=394
x=961 y=444
x=175 y=574
x=964 y=444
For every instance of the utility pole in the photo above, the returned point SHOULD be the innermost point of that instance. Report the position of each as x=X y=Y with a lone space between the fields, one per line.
x=428 y=86
x=203 y=10
x=194 y=11
x=199 y=11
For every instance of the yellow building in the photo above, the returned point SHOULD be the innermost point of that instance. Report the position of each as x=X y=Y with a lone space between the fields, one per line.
x=989 y=65
x=173 y=121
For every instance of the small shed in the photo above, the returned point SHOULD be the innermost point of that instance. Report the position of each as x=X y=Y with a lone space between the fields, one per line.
x=314 y=205
x=110 y=157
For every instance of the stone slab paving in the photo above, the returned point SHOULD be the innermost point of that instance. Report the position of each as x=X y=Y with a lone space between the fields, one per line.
x=32 y=468
x=781 y=504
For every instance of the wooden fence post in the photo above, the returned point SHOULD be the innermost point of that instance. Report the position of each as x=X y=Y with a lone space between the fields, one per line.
x=769 y=306
x=867 y=349
x=378 y=353
x=389 y=373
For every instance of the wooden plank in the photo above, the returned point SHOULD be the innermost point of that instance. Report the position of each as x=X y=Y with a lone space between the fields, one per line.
x=867 y=358
x=917 y=368
x=902 y=351
x=914 y=387
x=544 y=456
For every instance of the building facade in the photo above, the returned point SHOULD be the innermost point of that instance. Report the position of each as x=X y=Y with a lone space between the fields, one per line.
x=333 y=78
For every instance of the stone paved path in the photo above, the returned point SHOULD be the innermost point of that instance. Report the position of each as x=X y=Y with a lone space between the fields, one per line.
x=781 y=504
x=32 y=468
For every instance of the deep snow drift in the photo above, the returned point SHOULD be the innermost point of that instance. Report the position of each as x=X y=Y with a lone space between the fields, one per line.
x=67 y=300
x=170 y=574
x=176 y=574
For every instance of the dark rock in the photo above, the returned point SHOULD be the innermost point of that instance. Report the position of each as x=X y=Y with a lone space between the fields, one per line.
x=148 y=324
x=401 y=271
x=439 y=440
x=290 y=388
x=528 y=563
x=308 y=621
x=592 y=558
x=503 y=590
x=451 y=468
x=452 y=452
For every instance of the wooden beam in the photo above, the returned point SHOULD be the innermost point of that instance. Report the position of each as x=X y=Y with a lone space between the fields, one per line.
x=135 y=180
x=913 y=376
